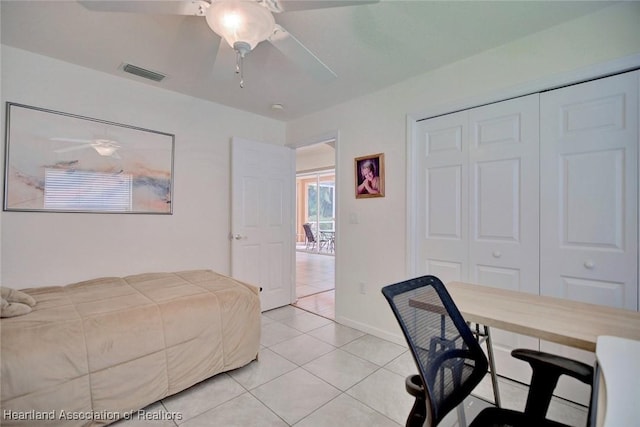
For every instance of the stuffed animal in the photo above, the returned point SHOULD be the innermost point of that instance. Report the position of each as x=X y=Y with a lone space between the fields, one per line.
x=15 y=303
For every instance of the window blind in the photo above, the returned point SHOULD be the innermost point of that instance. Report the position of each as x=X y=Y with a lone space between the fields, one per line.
x=87 y=190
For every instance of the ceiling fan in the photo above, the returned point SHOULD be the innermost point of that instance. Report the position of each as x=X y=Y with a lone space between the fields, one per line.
x=243 y=24
x=103 y=146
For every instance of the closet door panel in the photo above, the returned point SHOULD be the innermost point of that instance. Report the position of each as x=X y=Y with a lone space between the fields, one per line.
x=442 y=197
x=444 y=215
x=589 y=200
x=589 y=221
x=598 y=176
x=503 y=210
x=504 y=191
x=497 y=194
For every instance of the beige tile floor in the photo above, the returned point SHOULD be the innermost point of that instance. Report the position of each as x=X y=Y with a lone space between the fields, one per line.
x=314 y=273
x=315 y=283
x=313 y=372
x=322 y=303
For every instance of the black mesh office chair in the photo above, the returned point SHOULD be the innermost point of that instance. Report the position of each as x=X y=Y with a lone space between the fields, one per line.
x=451 y=362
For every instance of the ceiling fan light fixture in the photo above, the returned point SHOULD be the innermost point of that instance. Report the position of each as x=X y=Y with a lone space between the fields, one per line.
x=105 y=151
x=243 y=21
x=105 y=147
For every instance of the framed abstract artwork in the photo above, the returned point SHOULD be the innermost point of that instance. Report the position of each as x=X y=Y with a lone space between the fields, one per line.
x=369 y=176
x=61 y=162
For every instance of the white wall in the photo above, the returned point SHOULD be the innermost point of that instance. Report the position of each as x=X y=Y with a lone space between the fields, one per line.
x=315 y=157
x=57 y=248
x=372 y=243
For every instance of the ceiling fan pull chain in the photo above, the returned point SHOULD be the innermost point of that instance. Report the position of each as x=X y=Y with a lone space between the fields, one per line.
x=240 y=66
x=242 y=71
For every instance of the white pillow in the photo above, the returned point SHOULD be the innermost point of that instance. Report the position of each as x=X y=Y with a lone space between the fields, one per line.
x=15 y=303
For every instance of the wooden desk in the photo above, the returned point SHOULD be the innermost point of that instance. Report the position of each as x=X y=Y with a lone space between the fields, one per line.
x=558 y=320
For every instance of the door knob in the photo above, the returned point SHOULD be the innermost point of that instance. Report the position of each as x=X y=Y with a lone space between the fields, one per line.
x=236 y=236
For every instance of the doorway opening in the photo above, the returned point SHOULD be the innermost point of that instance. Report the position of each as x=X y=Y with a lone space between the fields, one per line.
x=316 y=212
x=316 y=228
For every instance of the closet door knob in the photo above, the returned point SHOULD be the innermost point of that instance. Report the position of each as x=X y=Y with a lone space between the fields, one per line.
x=496 y=254
x=588 y=264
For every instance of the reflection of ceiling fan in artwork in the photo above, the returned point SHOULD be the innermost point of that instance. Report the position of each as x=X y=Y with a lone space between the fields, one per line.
x=242 y=23
x=104 y=147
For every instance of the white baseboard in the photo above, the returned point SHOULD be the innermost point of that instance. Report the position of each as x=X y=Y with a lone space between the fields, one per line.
x=394 y=338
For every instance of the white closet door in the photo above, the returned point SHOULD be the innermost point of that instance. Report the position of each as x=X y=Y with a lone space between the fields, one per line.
x=589 y=196
x=589 y=219
x=442 y=193
x=477 y=214
x=503 y=210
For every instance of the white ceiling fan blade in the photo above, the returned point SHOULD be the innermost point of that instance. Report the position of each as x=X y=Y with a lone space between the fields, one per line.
x=295 y=5
x=79 y=141
x=194 y=50
x=74 y=148
x=175 y=7
x=286 y=43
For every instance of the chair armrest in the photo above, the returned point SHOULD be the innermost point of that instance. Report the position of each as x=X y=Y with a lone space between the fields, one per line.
x=418 y=414
x=541 y=360
x=547 y=369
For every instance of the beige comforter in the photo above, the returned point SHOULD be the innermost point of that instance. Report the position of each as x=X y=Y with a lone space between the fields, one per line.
x=94 y=351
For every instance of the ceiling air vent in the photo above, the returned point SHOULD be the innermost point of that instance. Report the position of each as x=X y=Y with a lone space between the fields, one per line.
x=147 y=74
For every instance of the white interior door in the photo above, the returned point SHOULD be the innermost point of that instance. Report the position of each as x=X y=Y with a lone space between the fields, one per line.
x=262 y=225
x=589 y=193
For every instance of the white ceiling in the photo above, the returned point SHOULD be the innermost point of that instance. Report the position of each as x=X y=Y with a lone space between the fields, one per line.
x=368 y=46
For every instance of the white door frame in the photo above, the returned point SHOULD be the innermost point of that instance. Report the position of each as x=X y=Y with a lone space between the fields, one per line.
x=555 y=81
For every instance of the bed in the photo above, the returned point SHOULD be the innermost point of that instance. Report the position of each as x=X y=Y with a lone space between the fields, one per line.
x=95 y=351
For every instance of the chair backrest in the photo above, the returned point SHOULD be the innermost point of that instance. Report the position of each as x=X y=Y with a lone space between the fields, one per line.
x=449 y=358
x=308 y=232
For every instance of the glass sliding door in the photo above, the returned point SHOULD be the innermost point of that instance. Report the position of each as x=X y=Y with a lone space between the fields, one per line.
x=316 y=206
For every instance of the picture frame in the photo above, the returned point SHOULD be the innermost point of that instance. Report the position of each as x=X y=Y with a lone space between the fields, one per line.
x=369 y=176
x=62 y=162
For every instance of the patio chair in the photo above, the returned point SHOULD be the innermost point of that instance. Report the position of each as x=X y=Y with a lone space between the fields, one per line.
x=311 y=239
